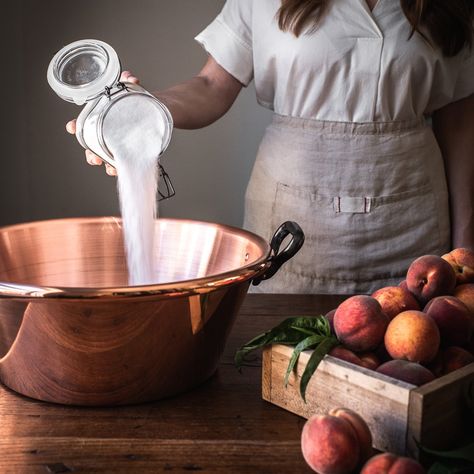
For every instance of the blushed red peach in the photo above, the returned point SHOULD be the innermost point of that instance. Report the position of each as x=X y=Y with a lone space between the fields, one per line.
x=412 y=335
x=453 y=318
x=330 y=445
x=462 y=261
x=330 y=318
x=403 y=284
x=429 y=276
x=410 y=372
x=367 y=359
x=388 y=463
x=361 y=429
x=465 y=293
x=394 y=300
x=342 y=353
x=470 y=346
x=360 y=323
x=450 y=359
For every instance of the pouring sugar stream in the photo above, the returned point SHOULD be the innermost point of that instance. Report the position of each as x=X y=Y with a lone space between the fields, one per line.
x=135 y=138
x=129 y=129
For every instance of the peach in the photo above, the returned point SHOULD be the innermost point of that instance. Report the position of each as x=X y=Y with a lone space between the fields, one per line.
x=367 y=360
x=330 y=445
x=465 y=293
x=403 y=284
x=330 y=317
x=388 y=463
x=429 y=276
x=462 y=261
x=360 y=323
x=394 y=300
x=450 y=359
x=361 y=429
x=410 y=372
x=453 y=318
x=470 y=346
x=412 y=335
x=342 y=353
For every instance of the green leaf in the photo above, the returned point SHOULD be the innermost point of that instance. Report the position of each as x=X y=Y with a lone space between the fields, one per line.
x=271 y=337
x=302 y=346
x=438 y=468
x=468 y=396
x=320 y=324
x=304 y=331
x=316 y=357
x=291 y=331
x=466 y=453
x=450 y=468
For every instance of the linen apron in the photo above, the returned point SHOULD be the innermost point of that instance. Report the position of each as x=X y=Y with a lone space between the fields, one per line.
x=370 y=198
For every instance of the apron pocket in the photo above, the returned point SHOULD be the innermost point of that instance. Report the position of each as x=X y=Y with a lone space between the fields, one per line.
x=358 y=238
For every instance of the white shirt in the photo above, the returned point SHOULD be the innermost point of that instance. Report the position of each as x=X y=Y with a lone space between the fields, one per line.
x=357 y=66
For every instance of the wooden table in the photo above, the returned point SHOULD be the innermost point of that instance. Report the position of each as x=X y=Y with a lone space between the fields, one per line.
x=223 y=426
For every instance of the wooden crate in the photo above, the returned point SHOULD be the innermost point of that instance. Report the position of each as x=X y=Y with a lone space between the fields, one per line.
x=398 y=413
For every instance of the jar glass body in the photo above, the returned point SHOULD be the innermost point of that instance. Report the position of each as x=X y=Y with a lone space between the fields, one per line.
x=89 y=126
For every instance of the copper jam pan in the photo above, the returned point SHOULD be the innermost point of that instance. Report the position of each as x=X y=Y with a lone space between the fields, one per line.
x=73 y=332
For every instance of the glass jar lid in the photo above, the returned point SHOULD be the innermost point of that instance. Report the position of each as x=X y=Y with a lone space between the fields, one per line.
x=82 y=70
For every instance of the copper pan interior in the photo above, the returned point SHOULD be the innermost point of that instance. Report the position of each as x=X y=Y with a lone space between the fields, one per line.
x=89 y=253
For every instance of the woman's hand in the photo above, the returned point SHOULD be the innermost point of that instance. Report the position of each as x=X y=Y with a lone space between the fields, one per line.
x=92 y=158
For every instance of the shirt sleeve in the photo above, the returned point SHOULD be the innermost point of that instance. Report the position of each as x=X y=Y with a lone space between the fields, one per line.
x=228 y=39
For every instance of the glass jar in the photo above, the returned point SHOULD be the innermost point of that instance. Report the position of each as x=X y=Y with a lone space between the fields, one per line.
x=88 y=72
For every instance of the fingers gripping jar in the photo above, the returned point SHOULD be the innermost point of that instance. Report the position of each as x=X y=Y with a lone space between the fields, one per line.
x=88 y=72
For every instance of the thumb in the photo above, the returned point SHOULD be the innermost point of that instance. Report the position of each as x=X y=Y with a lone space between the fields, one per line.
x=71 y=126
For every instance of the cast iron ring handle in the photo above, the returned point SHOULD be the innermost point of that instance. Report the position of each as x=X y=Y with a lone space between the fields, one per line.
x=279 y=258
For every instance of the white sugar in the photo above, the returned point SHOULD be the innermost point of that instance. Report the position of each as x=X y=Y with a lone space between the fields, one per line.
x=134 y=134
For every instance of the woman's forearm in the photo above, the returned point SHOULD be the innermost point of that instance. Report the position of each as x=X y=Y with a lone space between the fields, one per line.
x=203 y=99
x=454 y=129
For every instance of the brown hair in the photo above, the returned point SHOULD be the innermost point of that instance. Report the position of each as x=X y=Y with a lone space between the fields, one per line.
x=448 y=23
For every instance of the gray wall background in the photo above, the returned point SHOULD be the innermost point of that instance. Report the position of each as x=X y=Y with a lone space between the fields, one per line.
x=43 y=172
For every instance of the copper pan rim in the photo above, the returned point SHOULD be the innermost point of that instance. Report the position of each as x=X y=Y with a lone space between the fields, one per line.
x=37 y=293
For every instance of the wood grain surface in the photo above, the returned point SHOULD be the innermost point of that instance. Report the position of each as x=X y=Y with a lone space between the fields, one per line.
x=223 y=426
